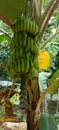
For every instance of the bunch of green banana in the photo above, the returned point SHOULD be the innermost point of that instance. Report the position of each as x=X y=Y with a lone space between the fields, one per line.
x=24 y=48
x=22 y=65
x=21 y=40
x=31 y=45
x=25 y=25
x=18 y=65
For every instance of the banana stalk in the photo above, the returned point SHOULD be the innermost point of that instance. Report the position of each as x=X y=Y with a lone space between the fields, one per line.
x=32 y=98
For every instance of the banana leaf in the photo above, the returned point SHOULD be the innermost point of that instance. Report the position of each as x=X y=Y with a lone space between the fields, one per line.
x=54 y=76
x=42 y=80
x=12 y=8
x=47 y=122
x=4 y=37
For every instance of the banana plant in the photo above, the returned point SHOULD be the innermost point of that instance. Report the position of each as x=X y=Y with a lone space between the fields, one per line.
x=41 y=11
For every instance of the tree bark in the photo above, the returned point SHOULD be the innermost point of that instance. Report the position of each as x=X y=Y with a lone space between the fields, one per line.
x=32 y=99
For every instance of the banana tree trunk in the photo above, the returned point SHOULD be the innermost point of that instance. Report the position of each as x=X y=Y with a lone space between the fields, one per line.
x=32 y=99
x=23 y=97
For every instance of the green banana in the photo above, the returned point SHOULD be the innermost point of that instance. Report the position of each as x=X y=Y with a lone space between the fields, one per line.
x=28 y=43
x=14 y=42
x=20 y=52
x=36 y=29
x=19 y=66
x=15 y=26
x=13 y=56
x=33 y=73
x=22 y=24
x=35 y=49
x=25 y=24
x=27 y=66
x=32 y=47
x=36 y=39
x=19 y=24
x=20 y=40
x=24 y=42
x=35 y=63
x=16 y=37
x=24 y=38
x=28 y=25
x=22 y=65
x=23 y=55
x=17 y=54
x=31 y=27
x=28 y=56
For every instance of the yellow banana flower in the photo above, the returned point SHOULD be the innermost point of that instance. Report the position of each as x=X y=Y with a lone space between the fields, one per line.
x=44 y=59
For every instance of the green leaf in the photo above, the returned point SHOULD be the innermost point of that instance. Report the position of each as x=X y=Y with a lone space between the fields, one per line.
x=47 y=122
x=42 y=80
x=12 y=8
x=54 y=76
x=4 y=37
x=45 y=2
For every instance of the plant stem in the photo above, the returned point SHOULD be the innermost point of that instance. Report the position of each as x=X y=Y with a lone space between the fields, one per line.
x=4 y=18
x=32 y=98
x=36 y=11
x=48 y=40
x=12 y=87
x=40 y=8
x=37 y=111
x=31 y=8
x=45 y=13
x=46 y=16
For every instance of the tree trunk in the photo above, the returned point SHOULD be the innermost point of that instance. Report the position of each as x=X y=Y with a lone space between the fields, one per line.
x=32 y=99
x=22 y=105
